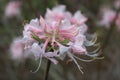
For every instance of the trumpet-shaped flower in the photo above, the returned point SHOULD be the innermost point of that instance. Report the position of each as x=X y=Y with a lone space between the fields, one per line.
x=58 y=35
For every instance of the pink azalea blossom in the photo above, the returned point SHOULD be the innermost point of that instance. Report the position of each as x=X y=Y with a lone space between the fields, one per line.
x=58 y=35
x=55 y=33
x=13 y=9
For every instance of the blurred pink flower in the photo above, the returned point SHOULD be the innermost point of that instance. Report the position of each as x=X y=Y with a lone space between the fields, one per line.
x=117 y=4
x=108 y=16
x=17 y=49
x=118 y=22
x=13 y=9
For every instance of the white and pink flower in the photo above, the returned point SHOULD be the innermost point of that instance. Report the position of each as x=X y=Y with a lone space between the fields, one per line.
x=57 y=35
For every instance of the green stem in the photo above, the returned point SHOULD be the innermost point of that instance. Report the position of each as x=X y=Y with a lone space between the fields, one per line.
x=47 y=70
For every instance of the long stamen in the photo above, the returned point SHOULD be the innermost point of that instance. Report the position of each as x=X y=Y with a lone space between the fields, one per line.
x=79 y=67
x=38 y=65
x=90 y=60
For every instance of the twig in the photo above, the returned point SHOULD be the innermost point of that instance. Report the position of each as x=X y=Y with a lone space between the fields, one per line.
x=47 y=70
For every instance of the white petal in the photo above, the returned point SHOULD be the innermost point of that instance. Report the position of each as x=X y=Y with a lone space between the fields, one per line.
x=59 y=9
x=36 y=50
x=35 y=22
x=79 y=17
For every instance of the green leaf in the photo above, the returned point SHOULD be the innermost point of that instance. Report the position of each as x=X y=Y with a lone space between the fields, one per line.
x=34 y=36
x=65 y=42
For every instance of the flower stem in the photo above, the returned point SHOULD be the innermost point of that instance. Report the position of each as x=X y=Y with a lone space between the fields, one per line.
x=47 y=70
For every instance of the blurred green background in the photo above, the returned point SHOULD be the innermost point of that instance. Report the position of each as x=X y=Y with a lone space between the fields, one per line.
x=105 y=69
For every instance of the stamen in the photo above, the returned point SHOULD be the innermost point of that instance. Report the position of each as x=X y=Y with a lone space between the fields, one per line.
x=92 y=42
x=79 y=67
x=38 y=65
x=84 y=59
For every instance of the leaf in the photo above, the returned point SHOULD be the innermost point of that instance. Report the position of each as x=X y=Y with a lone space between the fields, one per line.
x=65 y=42
x=34 y=36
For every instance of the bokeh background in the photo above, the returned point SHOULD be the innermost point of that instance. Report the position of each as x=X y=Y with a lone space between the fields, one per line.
x=105 y=69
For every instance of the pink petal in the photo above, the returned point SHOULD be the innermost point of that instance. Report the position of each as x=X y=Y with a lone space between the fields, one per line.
x=45 y=44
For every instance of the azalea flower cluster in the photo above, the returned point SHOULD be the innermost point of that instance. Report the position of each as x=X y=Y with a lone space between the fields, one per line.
x=57 y=35
x=109 y=14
